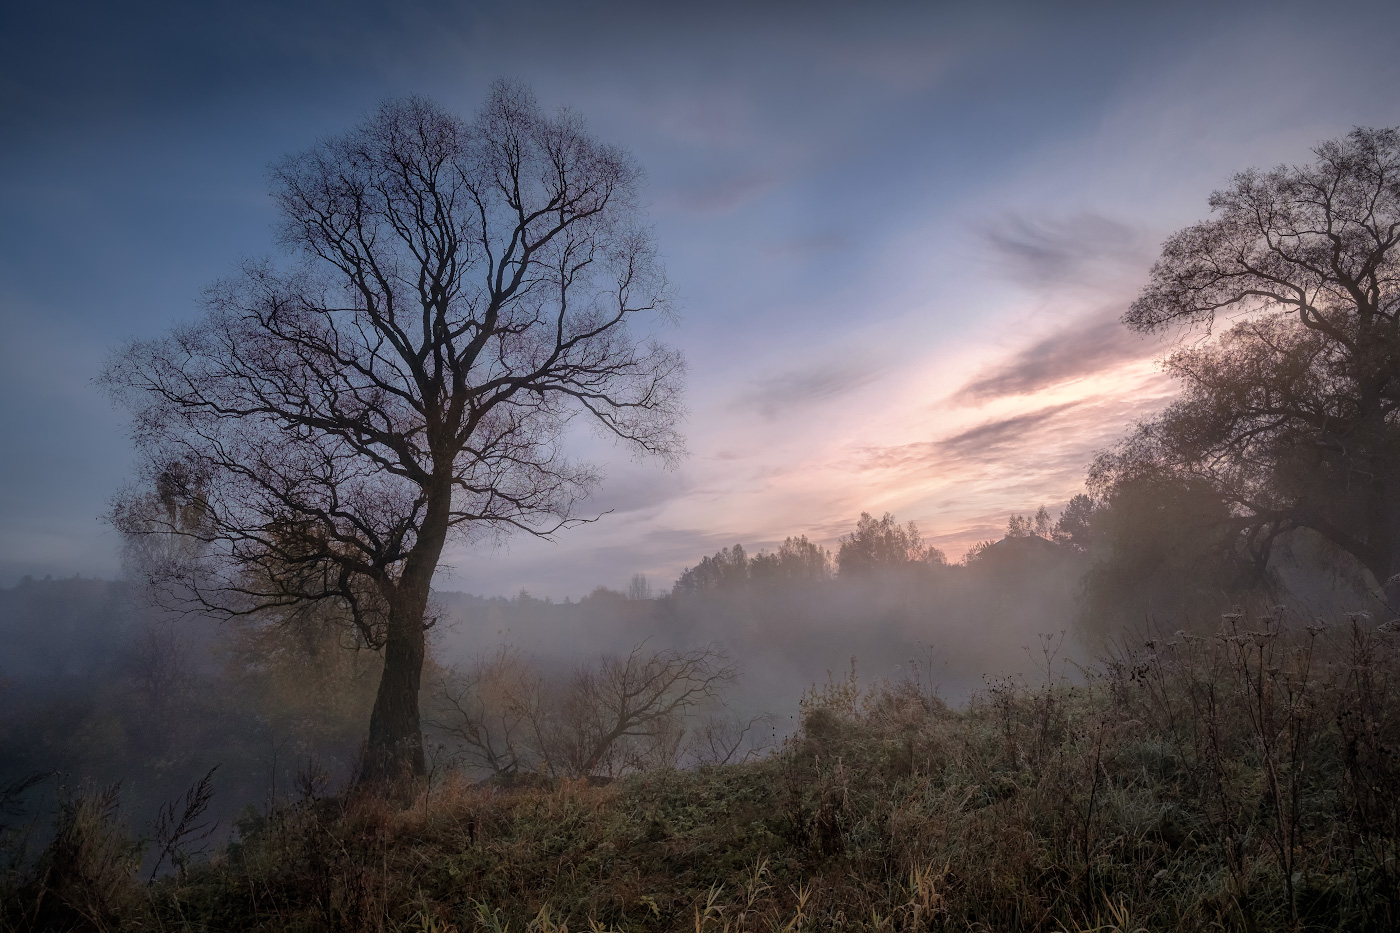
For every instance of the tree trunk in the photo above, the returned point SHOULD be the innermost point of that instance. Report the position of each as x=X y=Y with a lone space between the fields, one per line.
x=394 y=753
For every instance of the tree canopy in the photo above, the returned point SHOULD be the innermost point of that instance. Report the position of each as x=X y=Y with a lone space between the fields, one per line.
x=882 y=544
x=1289 y=414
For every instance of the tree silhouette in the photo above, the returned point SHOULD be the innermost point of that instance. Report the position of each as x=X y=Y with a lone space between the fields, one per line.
x=796 y=561
x=459 y=291
x=729 y=567
x=883 y=543
x=1290 y=414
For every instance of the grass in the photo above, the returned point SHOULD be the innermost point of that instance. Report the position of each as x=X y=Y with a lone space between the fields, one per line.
x=1243 y=780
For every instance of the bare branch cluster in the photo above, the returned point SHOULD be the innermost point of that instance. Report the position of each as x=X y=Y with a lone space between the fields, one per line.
x=462 y=290
x=622 y=714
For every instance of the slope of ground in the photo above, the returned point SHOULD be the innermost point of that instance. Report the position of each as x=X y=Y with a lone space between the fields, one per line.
x=1238 y=781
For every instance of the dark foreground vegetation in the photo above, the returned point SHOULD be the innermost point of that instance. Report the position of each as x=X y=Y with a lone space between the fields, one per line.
x=1242 y=780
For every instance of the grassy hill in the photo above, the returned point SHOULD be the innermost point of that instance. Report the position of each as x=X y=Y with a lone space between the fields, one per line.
x=1239 y=780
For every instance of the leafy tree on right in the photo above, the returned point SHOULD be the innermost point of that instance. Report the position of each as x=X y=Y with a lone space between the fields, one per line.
x=1290 y=413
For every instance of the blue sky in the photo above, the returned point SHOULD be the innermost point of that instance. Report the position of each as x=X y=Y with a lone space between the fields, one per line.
x=901 y=234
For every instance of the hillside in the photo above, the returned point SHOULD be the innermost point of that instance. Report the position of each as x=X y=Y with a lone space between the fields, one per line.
x=1238 y=781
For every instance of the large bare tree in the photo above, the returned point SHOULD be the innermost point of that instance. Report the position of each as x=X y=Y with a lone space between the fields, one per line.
x=456 y=292
x=1291 y=414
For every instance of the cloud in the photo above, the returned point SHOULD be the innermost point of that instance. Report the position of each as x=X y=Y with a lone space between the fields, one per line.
x=1087 y=345
x=634 y=489
x=1043 y=253
x=720 y=194
x=961 y=486
x=773 y=395
x=991 y=439
x=1074 y=260
x=987 y=442
x=1034 y=442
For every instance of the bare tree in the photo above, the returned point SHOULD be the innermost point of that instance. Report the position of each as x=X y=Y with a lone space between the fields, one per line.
x=1291 y=414
x=621 y=714
x=492 y=708
x=461 y=290
x=629 y=710
x=726 y=737
x=639 y=588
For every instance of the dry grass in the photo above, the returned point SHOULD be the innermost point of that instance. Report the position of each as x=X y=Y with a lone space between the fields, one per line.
x=1242 y=780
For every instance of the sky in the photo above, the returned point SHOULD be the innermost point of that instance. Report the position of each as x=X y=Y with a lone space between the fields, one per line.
x=901 y=234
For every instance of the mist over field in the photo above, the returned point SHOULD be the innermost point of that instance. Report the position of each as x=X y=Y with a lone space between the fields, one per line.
x=102 y=685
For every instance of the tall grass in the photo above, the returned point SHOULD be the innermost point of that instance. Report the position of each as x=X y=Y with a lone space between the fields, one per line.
x=1239 y=780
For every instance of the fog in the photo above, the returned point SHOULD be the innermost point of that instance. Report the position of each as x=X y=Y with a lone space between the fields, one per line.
x=100 y=686
x=958 y=624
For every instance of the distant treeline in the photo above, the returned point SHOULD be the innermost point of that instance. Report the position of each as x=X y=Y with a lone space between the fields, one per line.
x=99 y=686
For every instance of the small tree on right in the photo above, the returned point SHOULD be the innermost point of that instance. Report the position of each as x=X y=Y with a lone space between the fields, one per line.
x=1289 y=413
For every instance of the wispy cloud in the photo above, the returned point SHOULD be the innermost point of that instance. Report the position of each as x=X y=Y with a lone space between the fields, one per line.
x=1085 y=346
x=635 y=489
x=990 y=441
x=808 y=385
x=901 y=64
x=1045 y=252
x=1069 y=263
x=721 y=194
